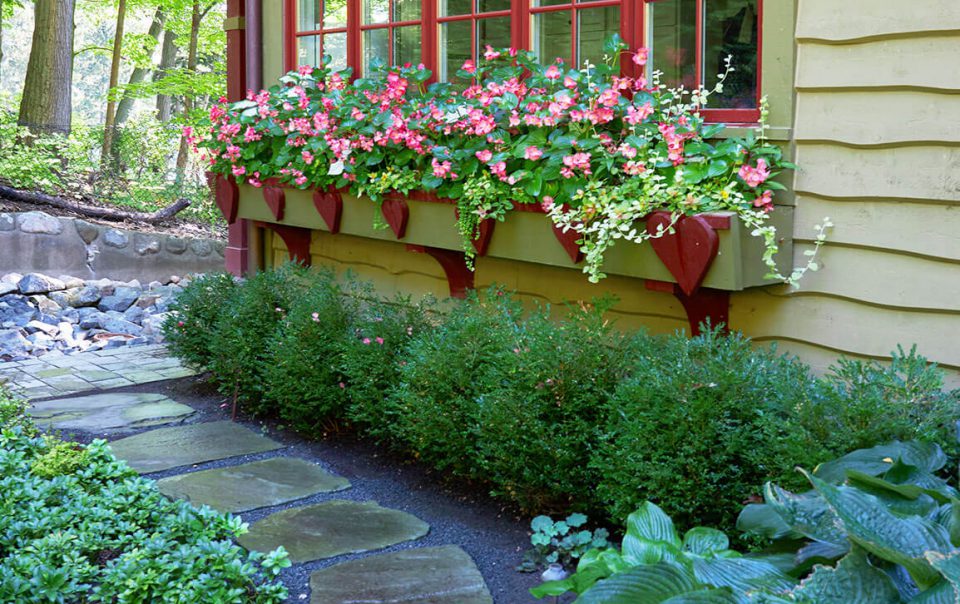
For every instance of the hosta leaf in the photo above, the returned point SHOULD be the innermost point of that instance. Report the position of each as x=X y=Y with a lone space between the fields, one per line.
x=948 y=564
x=807 y=514
x=904 y=500
x=740 y=574
x=704 y=541
x=705 y=596
x=878 y=460
x=651 y=536
x=650 y=584
x=853 y=581
x=762 y=519
x=941 y=593
x=873 y=527
x=902 y=473
x=820 y=549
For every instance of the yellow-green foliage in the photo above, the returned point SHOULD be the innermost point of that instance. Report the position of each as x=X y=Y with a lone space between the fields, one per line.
x=60 y=459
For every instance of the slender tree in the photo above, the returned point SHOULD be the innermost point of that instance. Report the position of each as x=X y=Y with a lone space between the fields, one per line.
x=183 y=153
x=46 y=102
x=110 y=123
x=168 y=58
x=139 y=72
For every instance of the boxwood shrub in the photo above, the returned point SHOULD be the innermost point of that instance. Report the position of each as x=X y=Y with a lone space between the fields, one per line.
x=554 y=410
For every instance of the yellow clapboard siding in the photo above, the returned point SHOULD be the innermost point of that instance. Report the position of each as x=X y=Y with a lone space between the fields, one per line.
x=875 y=118
x=923 y=173
x=839 y=20
x=916 y=228
x=915 y=62
x=846 y=326
x=881 y=278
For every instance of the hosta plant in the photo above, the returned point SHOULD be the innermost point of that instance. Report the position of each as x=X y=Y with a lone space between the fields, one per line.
x=597 y=150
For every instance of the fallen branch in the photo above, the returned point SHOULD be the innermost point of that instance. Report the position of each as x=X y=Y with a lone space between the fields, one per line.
x=92 y=211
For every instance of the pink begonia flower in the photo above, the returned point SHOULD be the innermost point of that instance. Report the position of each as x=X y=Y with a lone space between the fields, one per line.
x=469 y=66
x=442 y=169
x=499 y=168
x=765 y=201
x=316 y=317
x=552 y=73
x=636 y=115
x=640 y=57
x=533 y=152
x=754 y=177
x=490 y=54
x=366 y=340
x=307 y=156
x=609 y=97
x=484 y=155
x=305 y=70
x=547 y=203
x=239 y=170
x=634 y=168
x=379 y=340
x=569 y=82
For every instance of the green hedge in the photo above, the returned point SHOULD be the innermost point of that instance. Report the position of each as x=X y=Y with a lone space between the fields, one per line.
x=77 y=525
x=550 y=411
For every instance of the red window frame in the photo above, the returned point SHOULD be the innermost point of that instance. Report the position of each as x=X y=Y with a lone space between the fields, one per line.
x=632 y=30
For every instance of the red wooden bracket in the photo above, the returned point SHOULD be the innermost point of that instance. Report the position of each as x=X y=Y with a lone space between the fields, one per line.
x=227 y=196
x=276 y=199
x=396 y=212
x=706 y=304
x=569 y=242
x=329 y=205
x=484 y=233
x=454 y=265
x=688 y=252
x=297 y=240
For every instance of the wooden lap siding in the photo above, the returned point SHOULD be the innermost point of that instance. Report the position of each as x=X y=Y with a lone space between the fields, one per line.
x=877 y=136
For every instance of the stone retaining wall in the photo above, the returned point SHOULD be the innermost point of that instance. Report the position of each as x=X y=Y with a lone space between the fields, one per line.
x=38 y=242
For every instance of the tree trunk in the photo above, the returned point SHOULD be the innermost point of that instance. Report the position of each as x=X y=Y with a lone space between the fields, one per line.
x=109 y=123
x=46 y=103
x=1 y=40
x=168 y=57
x=184 y=153
x=139 y=73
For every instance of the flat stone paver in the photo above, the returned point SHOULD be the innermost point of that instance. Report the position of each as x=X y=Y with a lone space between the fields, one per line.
x=429 y=575
x=166 y=448
x=55 y=375
x=252 y=485
x=332 y=528
x=108 y=411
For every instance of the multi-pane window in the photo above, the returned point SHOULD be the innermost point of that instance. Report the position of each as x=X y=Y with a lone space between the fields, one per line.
x=392 y=32
x=689 y=40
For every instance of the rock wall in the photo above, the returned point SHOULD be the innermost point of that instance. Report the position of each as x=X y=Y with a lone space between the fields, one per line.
x=38 y=242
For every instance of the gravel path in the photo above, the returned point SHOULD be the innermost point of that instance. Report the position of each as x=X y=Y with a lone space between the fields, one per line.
x=458 y=514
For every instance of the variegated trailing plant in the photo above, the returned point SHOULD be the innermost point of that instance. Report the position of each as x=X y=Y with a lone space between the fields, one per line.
x=880 y=526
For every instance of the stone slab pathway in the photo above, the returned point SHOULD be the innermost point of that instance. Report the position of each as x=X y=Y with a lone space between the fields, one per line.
x=333 y=528
x=425 y=575
x=253 y=485
x=108 y=411
x=54 y=375
x=166 y=448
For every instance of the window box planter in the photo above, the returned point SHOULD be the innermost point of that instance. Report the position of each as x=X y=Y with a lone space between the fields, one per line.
x=428 y=224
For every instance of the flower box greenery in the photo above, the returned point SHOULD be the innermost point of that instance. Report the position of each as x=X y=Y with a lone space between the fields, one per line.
x=595 y=151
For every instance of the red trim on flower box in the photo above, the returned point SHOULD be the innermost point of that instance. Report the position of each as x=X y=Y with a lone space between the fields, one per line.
x=276 y=199
x=297 y=240
x=482 y=242
x=688 y=252
x=226 y=195
x=397 y=213
x=706 y=305
x=454 y=265
x=329 y=205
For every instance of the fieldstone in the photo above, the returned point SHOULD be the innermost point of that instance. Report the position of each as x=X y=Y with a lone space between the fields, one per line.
x=13 y=344
x=167 y=448
x=116 y=325
x=153 y=324
x=71 y=282
x=333 y=528
x=201 y=247
x=176 y=245
x=115 y=238
x=154 y=285
x=7 y=288
x=15 y=311
x=37 y=283
x=45 y=305
x=7 y=222
x=252 y=485
x=49 y=319
x=135 y=283
x=76 y=296
x=174 y=279
x=147 y=300
x=134 y=314
x=119 y=342
x=11 y=278
x=34 y=326
x=41 y=340
x=90 y=318
x=39 y=222
x=108 y=411
x=426 y=575
x=120 y=300
x=147 y=245
x=70 y=315
x=88 y=232
x=65 y=333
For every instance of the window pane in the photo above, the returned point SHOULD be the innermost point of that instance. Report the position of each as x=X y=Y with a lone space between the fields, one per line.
x=494 y=31
x=407 y=10
x=488 y=6
x=335 y=45
x=455 y=7
x=406 y=45
x=674 y=32
x=375 y=46
x=308 y=50
x=454 y=48
x=309 y=15
x=595 y=26
x=376 y=11
x=334 y=13
x=730 y=29
x=551 y=2
x=551 y=35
